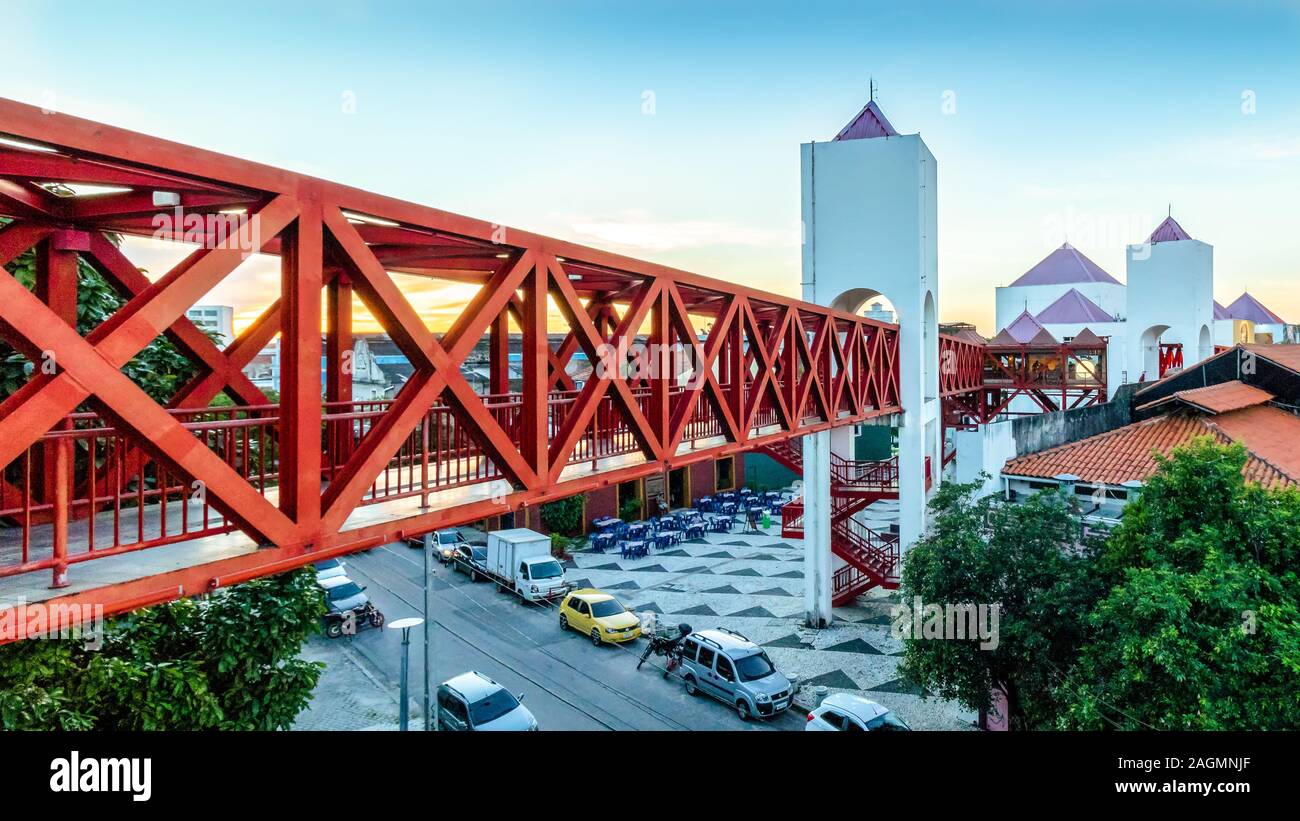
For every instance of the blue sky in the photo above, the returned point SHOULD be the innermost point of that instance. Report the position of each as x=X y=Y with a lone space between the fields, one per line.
x=1076 y=119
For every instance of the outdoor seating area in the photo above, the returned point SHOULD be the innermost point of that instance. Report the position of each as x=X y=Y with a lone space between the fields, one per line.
x=718 y=513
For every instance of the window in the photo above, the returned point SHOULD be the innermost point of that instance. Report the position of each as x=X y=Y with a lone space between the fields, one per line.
x=581 y=607
x=834 y=719
x=888 y=723
x=608 y=607
x=724 y=669
x=492 y=707
x=726 y=473
x=454 y=706
x=754 y=667
x=705 y=659
x=689 y=647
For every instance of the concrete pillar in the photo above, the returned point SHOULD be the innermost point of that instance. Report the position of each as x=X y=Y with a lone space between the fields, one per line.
x=818 y=563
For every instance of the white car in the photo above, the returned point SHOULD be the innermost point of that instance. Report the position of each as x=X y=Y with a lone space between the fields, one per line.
x=329 y=569
x=844 y=712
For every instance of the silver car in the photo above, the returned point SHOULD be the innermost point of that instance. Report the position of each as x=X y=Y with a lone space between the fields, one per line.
x=473 y=702
x=731 y=668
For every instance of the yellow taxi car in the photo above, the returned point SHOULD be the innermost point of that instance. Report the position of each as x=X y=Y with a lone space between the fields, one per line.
x=599 y=615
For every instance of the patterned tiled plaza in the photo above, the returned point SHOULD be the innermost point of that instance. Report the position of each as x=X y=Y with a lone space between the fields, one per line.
x=753 y=584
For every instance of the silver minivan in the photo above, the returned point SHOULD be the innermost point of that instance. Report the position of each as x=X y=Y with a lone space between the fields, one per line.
x=731 y=668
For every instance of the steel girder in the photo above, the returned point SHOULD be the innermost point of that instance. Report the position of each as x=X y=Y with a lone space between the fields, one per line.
x=768 y=368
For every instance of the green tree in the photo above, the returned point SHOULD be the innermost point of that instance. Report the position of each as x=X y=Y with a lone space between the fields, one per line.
x=1030 y=559
x=564 y=516
x=228 y=661
x=1200 y=628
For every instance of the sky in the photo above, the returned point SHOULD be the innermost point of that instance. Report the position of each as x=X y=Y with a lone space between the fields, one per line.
x=670 y=131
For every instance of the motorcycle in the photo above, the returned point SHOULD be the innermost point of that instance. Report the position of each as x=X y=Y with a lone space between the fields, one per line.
x=666 y=642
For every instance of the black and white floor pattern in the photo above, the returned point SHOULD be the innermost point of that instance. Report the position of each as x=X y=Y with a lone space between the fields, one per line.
x=753 y=584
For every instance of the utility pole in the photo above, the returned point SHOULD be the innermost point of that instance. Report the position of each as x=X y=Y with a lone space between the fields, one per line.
x=429 y=723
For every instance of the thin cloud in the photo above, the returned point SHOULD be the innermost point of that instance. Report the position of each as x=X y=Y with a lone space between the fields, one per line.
x=640 y=231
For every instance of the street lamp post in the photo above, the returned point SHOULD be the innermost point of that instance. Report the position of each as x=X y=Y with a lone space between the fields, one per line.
x=405 y=625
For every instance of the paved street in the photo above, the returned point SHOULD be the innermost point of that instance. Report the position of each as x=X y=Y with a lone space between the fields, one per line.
x=750 y=583
x=567 y=683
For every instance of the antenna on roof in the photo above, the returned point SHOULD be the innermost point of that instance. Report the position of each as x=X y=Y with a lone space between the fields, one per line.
x=871 y=89
x=1171 y=210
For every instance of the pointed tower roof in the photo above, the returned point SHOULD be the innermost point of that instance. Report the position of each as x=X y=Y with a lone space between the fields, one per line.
x=1073 y=306
x=1220 y=312
x=1044 y=339
x=1247 y=307
x=1022 y=329
x=1087 y=339
x=1168 y=231
x=869 y=123
x=1063 y=266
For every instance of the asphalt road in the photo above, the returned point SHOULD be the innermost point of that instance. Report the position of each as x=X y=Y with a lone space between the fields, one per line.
x=567 y=683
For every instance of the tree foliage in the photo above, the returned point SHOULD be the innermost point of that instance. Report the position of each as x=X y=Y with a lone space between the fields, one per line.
x=228 y=661
x=564 y=516
x=1186 y=617
x=1030 y=559
x=1200 y=628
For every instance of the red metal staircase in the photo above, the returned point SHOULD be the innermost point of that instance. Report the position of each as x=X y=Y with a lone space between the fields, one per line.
x=871 y=558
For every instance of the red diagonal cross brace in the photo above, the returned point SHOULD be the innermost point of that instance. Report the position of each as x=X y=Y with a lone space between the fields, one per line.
x=45 y=400
x=436 y=369
x=85 y=370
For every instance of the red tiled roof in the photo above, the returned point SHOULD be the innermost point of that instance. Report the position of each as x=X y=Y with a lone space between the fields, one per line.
x=1270 y=434
x=1288 y=356
x=1271 y=437
x=1221 y=398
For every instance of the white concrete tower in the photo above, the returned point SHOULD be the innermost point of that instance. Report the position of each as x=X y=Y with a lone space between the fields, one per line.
x=870 y=229
x=1170 y=299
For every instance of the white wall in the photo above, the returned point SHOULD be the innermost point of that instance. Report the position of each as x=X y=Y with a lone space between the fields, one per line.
x=1011 y=300
x=986 y=448
x=1169 y=284
x=871 y=227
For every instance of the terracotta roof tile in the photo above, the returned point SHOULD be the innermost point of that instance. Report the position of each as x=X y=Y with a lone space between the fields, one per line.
x=1271 y=436
x=1221 y=398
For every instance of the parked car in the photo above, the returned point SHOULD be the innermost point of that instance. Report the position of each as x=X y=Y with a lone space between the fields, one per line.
x=845 y=712
x=445 y=543
x=599 y=615
x=329 y=569
x=729 y=667
x=470 y=560
x=347 y=607
x=473 y=702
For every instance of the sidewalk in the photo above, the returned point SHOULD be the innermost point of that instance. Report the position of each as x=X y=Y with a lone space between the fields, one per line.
x=350 y=695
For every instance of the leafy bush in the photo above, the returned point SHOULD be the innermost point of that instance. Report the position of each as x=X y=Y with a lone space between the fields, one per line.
x=564 y=516
x=225 y=662
x=630 y=510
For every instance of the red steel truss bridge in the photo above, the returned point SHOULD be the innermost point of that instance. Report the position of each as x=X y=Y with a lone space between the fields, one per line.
x=112 y=499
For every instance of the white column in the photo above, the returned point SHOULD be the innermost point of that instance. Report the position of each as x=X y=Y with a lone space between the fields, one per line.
x=817 y=564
